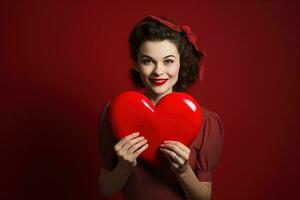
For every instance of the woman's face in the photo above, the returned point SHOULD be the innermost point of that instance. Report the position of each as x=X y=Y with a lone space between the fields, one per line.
x=158 y=64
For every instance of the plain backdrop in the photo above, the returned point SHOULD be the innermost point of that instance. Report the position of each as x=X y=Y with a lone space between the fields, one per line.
x=60 y=61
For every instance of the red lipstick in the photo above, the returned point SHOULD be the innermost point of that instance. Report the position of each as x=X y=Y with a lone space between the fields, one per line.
x=158 y=81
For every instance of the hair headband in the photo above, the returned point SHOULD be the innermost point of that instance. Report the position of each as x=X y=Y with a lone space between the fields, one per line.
x=190 y=35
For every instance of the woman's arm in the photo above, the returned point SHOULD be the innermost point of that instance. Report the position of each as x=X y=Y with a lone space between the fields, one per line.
x=193 y=188
x=207 y=158
x=127 y=150
x=178 y=156
x=113 y=181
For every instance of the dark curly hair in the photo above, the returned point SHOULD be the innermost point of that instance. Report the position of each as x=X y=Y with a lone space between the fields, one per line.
x=149 y=29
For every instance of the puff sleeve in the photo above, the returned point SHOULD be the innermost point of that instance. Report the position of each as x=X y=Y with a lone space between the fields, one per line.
x=209 y=153
x=106 y=140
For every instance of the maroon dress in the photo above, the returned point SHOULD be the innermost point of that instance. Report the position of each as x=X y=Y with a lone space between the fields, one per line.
x=147 y=183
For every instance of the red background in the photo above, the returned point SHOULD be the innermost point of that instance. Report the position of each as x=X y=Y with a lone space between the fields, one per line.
x=60 y=61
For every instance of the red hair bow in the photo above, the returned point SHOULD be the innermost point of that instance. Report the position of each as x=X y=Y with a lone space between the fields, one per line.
x=190 y=35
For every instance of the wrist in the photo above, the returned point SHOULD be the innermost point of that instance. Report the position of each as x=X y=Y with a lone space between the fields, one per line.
x=125 y=167
x=184 y=172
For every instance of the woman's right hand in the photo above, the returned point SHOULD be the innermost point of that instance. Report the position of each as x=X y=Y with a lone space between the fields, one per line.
x=129 y=148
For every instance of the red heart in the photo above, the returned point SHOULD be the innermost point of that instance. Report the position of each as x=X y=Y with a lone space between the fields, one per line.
x=177 y=116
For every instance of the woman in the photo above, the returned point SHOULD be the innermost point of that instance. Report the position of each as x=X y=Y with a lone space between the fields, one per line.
x=166 y=59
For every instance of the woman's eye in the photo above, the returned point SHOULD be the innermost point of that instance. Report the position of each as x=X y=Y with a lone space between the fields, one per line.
x=146 y=61
x=170 y=61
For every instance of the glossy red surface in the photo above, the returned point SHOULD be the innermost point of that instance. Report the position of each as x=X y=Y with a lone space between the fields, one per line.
x=177 y=116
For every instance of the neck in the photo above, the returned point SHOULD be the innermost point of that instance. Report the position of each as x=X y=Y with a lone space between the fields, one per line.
x=154 y=98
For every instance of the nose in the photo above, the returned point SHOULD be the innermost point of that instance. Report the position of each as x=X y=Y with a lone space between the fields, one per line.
x=158 y=70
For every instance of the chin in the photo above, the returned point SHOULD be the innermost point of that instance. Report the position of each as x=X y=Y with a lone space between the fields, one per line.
x=159 y=90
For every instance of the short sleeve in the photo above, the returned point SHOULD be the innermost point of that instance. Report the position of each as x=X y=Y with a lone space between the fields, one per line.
x=106 y=140
x=209 y=153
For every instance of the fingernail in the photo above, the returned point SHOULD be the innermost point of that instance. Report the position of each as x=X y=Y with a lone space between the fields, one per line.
x=137 y=133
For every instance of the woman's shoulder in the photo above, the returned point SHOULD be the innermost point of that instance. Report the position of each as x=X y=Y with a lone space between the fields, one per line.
x=208 y=114
x=104 y=108
x=107 y=104
x=104 y=113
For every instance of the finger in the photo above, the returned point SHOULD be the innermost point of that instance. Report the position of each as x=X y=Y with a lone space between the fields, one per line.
x=121 y=142
x=179 y=144
x=132 y=142
x=170 y=156
x=136 y=146
x=140 y=150
x=177 y=150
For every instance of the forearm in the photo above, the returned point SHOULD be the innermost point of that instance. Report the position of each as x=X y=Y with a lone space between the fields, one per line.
x=193 y=188
x=113 y=181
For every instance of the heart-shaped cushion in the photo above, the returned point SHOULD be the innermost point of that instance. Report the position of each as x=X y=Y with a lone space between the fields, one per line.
x=177 y=116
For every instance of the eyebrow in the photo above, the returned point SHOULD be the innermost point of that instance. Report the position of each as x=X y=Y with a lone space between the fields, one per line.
x=152 y=58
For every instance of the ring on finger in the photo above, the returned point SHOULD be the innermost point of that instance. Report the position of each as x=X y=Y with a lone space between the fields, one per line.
x=175 y=157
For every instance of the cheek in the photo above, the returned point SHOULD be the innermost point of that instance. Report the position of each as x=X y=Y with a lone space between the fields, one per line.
x=145 y=71
x=174 y=71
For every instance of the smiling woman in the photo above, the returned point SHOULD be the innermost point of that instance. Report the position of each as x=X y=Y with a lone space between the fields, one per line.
x=150 y=31
x=158 y=72
x=165 y=59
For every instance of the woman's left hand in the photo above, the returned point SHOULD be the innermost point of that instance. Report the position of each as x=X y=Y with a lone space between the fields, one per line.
x=177 y=154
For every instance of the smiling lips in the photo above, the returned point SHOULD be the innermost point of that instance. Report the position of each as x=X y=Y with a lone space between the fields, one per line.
x=158 y=81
